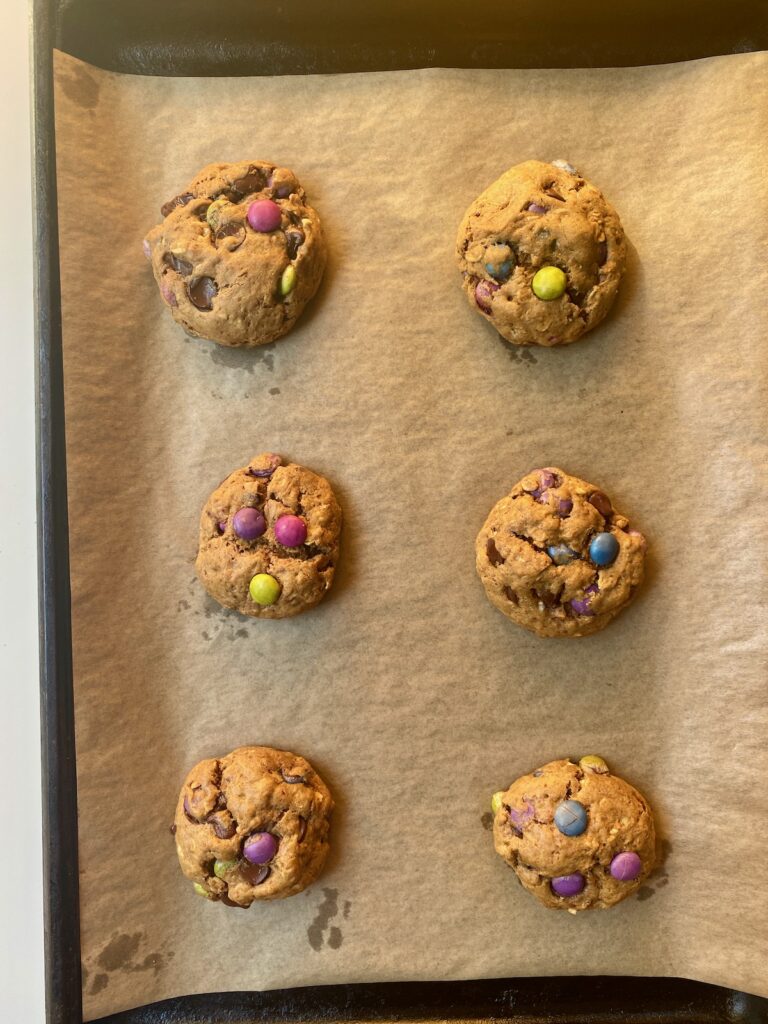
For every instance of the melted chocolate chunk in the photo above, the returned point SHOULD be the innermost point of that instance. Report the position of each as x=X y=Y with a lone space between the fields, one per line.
x=234 y=230
x=180 y=266
x=222 y=824
x=253 y=181
x=181 y=200
x=254 y=874
x=494 y=555
x=293 y=242
x=601 y=502
x=511 y=595
x=202 y=292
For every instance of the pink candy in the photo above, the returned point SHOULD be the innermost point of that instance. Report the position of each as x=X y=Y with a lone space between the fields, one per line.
x=264 y=215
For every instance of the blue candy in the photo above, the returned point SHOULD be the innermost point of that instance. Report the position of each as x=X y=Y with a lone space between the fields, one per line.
x=571 y=818
x=603 y=549
x=501 y=271
x=561 y=554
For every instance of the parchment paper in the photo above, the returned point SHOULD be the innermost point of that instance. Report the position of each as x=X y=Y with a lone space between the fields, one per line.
x=407 y=690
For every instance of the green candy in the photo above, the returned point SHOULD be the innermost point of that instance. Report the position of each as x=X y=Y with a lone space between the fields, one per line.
x=548 y=283
x=288 y=280
x=264 y=589
x=593 y=763
x=202 y=891
x=221 y=867
x=496 y=801
x=213 y=213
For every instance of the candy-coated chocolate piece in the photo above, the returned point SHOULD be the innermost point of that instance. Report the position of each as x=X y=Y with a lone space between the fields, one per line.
x=549 y=283
x=221 y=867
x=167 y=292
x=536 y=208
x=483 y=293
x=625 y=867
x=264 y=215
x=288 y=280
x=603 y=549
x=260 y=848
x=561 y=554
x=594 y=763
x=290 y=531
x=202 y=891
x=568 y=885
x=500 y=271
x=571 y=818
x=496 y=801
x=249 y=523
x=264 y=589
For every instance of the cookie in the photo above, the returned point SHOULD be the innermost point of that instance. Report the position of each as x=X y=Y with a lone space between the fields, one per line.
x=576 y=836
x=252 y=825
x=541 y=253
x=556 y=557
x=239 y=253
x=269 y=539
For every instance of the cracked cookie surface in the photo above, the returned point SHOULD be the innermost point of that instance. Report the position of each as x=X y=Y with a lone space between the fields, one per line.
x=539 y=215
x=252 y=825
x=239 y=253
x=269 y=521
x=576 y=836
x=556 y=557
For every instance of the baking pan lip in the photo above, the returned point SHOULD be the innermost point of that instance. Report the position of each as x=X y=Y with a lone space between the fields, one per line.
x=526 y=1000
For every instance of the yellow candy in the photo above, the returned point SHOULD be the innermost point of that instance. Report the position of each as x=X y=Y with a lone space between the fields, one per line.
x=593 y=763
x=264 y=589
x=548 y=283
x=288 y=280
x=202 y=891
x=496 y=801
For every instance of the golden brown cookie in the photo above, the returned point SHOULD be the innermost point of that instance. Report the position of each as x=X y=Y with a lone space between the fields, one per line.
x=239 y=253
x=556 y=557
x=269 y=539
x=252 y=825
x=576 y=836
x=541 y=253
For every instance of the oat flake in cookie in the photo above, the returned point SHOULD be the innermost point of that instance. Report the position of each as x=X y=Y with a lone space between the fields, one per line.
x=541 y=254
x=269 y=539
x=575 y=835
x=555 y=556
x=239 y=253
x=252 y=826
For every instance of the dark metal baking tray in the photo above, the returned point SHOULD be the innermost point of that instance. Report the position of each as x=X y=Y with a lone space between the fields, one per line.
x=252 y=37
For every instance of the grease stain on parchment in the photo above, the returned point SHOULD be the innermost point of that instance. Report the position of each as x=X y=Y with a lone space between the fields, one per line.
x=326 y=911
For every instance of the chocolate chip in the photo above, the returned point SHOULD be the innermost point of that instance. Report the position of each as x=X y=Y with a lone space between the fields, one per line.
x=511 y=595
x=302 y=828
x=602 y=253
x=555 y=195
x=253 y=874
x=235 y=230
x=494 y=556
x=292 y=779
x=293 y=242
x=547 y=599
x=173 y=829
x=253 y=181
x=231 y=903
x=181 y=200
x=293 y=218
x=188 y=812
x=180 y=266
x=518 y=831
x=564 y=507
x=222 y=824
x=601 y=502
x=201 y=292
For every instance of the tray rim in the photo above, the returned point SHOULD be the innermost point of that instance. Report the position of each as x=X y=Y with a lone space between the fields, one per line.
x=498 y=998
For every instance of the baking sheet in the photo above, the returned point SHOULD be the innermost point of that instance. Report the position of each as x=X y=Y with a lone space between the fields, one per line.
x=411 y=695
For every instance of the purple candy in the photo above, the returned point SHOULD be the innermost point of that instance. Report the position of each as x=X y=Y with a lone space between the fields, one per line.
x=260 y=848
x=548 y=479
x=221 y=525
x=167 y=293
x=522 y=817
x=582 y=607
x=568 y=885
x=536 y=208
x=264 y=215
x=625 y=867
x=248 y=523
x=564 y=507
x=290 y=531
x=592 y=589
x=275 y=461
x=483 y=293
x=147 y=249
